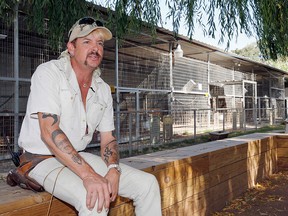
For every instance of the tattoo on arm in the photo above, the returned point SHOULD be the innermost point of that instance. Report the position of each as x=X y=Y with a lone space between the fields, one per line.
x=65 y=146
x=111 y=151
x=54 y=116
x=107 y=153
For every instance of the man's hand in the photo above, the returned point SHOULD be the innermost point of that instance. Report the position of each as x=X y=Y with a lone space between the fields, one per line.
x=98 y=188
x=113 y=177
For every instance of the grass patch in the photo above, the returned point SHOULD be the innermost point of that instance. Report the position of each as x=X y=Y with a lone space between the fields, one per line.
x=189 y=141
x=259 y=130
x=203 y=138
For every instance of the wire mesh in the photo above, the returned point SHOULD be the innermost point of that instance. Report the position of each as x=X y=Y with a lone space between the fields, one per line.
x=143 y=67
x=6 y=50
x=197 y=98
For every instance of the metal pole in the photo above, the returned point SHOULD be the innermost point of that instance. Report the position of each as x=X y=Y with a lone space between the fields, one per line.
x=224 y=120
x=117 y=91
x=244 y=111
x=130 y=133
x=255 y=104
x=171 y=73
x=259 y=110
x=137 y=115
x=16 y=76
x=233 y=89
x=195 y=130
x=208 y=88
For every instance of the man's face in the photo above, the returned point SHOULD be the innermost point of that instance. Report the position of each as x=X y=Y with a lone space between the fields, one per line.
x=87 y=52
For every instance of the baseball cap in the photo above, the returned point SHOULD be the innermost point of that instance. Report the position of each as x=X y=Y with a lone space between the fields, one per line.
x=85 y=26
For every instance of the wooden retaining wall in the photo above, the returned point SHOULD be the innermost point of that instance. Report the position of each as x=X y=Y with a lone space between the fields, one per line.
x=282 y=152
x=195 y=180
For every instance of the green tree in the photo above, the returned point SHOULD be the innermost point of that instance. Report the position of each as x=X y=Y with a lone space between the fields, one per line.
x=266 y=19
x=252 y=52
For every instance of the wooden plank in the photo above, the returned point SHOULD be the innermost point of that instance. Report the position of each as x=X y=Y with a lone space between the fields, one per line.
x=225 y=173
x=255 y=148
x=282 y=152
x=282 y=164
x=235 y=159
x=260 y=166
x=58 y=208
x=126 y=209
x=180 y=158
x=190 y=206
x=19 y=198
x=282 y=144
x=256 y=175
x=281 y=136
x=176 y=209
x=172 y=175
x=258 y=147
x=224 y=157
x=229 y=189
x=164 y=159
x=281 y=141
x=196 y=203
x=234 y=187
x=120 y=201
x=194 y=180
x=272 y=158
x=176 y=193
x=17 y=201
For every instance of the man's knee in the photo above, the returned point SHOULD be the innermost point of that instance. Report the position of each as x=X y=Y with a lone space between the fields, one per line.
x=150 y=183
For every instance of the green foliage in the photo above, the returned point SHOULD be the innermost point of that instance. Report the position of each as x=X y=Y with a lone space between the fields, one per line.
x=267 y=19
x=264 y=129
x=281 y=63
x=6 y=10
x=271 y=18
x=50 y=17
x=252 y=52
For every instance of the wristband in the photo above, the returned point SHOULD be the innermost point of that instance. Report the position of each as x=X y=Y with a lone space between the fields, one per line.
x=115 y=166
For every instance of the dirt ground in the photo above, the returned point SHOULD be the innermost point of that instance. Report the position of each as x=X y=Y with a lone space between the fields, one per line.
x=269 y=197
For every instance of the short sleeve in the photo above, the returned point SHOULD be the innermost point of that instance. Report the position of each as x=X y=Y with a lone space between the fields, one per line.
x=44 y=94
x=107 y=122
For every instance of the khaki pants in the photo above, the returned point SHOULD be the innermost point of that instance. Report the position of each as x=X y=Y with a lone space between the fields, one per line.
x=135 y=184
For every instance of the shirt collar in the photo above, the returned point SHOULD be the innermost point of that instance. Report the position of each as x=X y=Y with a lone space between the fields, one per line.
x=65 y=58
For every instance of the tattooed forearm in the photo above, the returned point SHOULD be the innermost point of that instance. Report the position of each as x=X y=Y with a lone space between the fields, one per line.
x=46 y=115
x=56 y=133
x=107 y=153
x=76 y=158
x=65 y=146
x=110 y=152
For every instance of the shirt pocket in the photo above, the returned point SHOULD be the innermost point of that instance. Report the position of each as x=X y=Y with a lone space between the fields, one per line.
x=95 y=113
x=69 y=104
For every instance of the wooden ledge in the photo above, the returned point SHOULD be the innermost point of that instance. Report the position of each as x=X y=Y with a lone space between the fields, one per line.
x=17 y=201
x=159 y=159
x=190 y=178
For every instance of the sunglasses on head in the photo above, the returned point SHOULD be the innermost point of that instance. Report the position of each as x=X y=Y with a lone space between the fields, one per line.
x=87 y=21
x=90 y=21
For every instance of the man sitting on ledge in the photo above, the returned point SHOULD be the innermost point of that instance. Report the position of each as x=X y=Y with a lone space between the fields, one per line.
x=67 y=103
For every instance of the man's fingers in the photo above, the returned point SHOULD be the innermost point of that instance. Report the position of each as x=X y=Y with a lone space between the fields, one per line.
x=91 y=199
x=113 y=197
x=107 y=200
x=97 y=192
x=103 y=200
x=88 y=200
x=94 y=197
x=100 y=201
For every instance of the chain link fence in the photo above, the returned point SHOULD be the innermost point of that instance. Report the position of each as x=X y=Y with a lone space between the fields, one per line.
x=139 y=131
